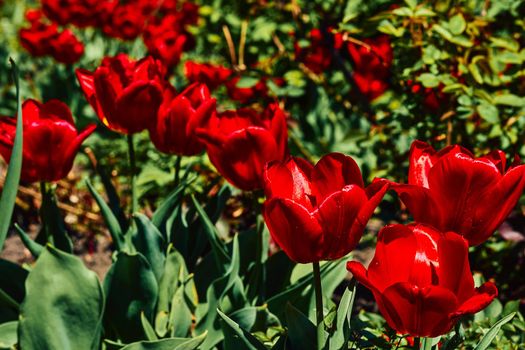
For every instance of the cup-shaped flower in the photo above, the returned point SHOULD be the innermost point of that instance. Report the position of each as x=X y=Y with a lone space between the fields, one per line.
x=125 y=94
x=211 y=75
x=178 y=118
x=454 y=191
x=318 y=212
x=421 y=279
x=51 y=140
x=240 y=143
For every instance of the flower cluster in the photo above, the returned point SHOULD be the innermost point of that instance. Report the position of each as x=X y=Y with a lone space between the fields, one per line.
x=45 y=39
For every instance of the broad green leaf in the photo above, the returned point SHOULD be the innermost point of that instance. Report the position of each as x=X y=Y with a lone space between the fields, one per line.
x=429 y=80
x=168 y=344
x=301 y=331
x=180 y=317
x=111 y=221
x=63 y=306
x=10 y=188
x=457 y=24
x=509 y=100
x=149 y=242
x=488 y=112
x=352 y=10
x=131 y=288
x=8 y=335
x=493 y=331
x=442 y=31
x=247 y=82
x=248 y=341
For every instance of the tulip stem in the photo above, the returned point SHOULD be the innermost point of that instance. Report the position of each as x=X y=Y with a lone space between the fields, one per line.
x=426 y=343
x=318 y=304
x=133 y=166
x=178 y=162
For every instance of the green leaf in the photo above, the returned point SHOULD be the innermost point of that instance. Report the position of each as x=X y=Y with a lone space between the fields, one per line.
x=219 y=252
x=148 y=328
x=63 y=306
x=131 y=288
x=247 y=82
x=488 y=112
x=34 y=247
x=442 y=31
x=111 y=221
x=149 y=242
x=247 y=339
x=10 y=188
x=113 y=197
x=52 y=222
x=352 y=10
x=8 y=335
x=457 y=24
x=428 y=80
x=168 y=344
x=301 y=331
x=493 y=331
x=339 y=340
x=509 y=100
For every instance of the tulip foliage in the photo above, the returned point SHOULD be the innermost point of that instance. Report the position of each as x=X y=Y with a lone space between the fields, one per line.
x=314 y=175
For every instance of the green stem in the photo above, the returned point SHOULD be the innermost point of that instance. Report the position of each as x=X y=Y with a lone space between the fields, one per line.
x=318 y=304
x=178 y=162
x=133 y=166
x=426 y=343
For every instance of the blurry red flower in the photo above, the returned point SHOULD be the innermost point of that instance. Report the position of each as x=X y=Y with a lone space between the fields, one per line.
x=179 y=116
x=167 y=40
x=421 y=280
x=246 y=94
x=42 y=39
x=51 y=140
x=125 y=94
x=318 y=212
x=317 y=57
x=454 y=191
x=127 y=21
x=206 y=73
x=239 y=143
x=372 y=65
x=81 y=13
x=433 y=99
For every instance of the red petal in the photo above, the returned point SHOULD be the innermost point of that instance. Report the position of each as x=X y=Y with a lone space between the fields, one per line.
x=498 y=158
x=56 y=110
x=242 y=157
x=394 y=256
x=293 y=229
x=457 y=183
x=454 y=269
x=337 y=216
x=422 y=312
x=332 y=173
x=137 y=106
x=69 y=155
x=482 y=297
x=422 y=158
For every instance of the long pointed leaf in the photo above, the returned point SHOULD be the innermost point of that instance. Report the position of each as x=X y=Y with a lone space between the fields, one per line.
x=493 y=331
x=12 y=179
x=34 y=247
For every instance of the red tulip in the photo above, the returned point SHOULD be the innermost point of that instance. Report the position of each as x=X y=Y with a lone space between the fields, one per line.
x=246 y=94
x=317 y=57
x=206 y=73
x=178 y=118
x=126 y=21
x=51 y=140
x=318 y=212
x=166 y=39
x=454 y=191
x=372 y=65
x=125 y=94
x=421 y=279
x=42 y=39
x=82 y=13
x=240 y=143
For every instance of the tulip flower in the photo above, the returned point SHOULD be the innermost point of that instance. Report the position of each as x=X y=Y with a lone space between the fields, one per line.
x=317 y=57
x=372 y=65
x=82 y=13
x=239 y=143
x=318 y=212
x=125 y=94
x=421 y=280
x=206 y=73
x=454 y=191
x=51 y=140
x=178 y=118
